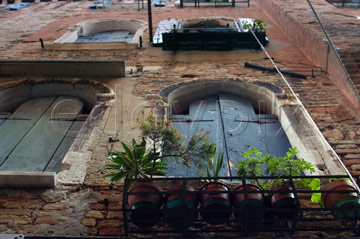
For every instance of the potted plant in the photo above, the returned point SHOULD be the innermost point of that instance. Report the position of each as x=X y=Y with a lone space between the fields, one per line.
x=142 y=162
x=343 y=205
x=280 y=168
x=248 y=207
x=137 y=164
x=215 y=207
x=180 y=210
x=256 y=27
x=248 y=202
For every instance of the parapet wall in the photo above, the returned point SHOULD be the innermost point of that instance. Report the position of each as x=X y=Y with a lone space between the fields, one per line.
x=312 y=43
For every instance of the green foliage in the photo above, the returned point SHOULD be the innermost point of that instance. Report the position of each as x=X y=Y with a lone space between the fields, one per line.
x=316 y=197
x=334 y=179
x=257 y=164
x=136 y=163
x=257 y=26
x=252 y=165
x=214 y=166
x=289 y=166
x=167 y=143
x=160 y=134
x=315 y=185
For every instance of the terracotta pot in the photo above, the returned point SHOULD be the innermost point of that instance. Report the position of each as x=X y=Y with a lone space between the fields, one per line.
x=239 y=197
x=214 y=186
x=180 y=212
x=145 y=209
x=285 y=201
x=250 y=210
x=215 y=208
x=179 y=189
x=346 y=205
x=329 y=199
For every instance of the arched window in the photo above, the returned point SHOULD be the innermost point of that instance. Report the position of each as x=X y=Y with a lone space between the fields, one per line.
x=239 y=115
x=234 y=125
x=45 y=127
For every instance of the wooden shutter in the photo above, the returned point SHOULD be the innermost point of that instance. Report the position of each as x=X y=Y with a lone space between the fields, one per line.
x=32 y=141
x=234 y=126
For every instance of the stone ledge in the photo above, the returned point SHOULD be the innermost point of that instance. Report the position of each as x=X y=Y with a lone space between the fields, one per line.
x=27 y=179
x=88 y=69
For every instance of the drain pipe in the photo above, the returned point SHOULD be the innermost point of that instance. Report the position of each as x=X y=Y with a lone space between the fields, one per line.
x=150 y=21
x=307 y=114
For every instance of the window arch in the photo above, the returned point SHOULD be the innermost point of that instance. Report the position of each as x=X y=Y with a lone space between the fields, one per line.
x=266 y=99
x=60 y=111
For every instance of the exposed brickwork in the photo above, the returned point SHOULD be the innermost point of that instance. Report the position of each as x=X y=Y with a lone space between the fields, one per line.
x=303 y=29
x=95 y=207
x=16 y=214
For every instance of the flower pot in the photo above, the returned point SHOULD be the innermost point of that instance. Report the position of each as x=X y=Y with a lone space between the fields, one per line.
x=145 y=209
x=180 y=212
x=215 y=207
x=346 y=205
x=250 y=210
x=284 y=201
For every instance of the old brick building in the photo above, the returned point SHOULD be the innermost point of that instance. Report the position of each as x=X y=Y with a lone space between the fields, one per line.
x=83 y=202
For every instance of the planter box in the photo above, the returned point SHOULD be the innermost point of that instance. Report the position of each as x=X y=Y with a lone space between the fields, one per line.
x=212 y=40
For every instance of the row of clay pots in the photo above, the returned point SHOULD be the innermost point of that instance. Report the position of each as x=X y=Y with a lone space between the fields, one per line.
x=216 y=207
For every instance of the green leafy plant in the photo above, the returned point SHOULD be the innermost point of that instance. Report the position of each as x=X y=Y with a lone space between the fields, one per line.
x=168 y=144
x=215 y=164
x=316 y=197
x=135 y=163
x=258 y=25
x=315 y=185
x=257 y=164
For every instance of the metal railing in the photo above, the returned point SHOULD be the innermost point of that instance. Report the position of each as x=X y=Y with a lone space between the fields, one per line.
x=214 y=3
x=303 y=216
x=345 y=3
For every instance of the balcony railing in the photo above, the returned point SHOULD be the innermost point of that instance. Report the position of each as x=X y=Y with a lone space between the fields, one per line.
x=246 y=220
x=345 y=3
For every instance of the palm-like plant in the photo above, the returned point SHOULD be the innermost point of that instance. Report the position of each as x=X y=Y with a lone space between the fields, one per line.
x=136 y=163
x=214 y=166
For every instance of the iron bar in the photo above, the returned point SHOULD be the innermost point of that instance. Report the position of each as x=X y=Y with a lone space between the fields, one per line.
x=42 y=43
x=314 y=216
x=263 y=68
x=150 y=21
x=124 y=205
x=228 y=178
